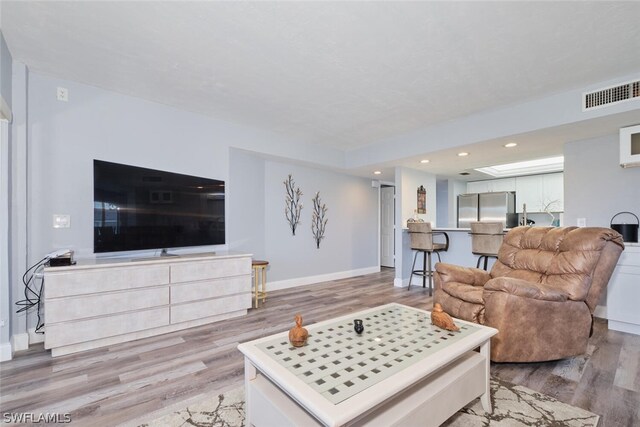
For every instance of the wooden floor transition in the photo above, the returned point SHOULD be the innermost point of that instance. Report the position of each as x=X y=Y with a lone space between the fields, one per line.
x=123 y=382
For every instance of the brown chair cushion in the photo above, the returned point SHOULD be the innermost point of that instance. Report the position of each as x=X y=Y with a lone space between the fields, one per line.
x=525 y=289
x=563 y=258
x=454 y=273
x=464 y=292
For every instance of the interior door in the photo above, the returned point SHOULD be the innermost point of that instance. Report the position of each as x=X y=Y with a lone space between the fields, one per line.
x=387 y=225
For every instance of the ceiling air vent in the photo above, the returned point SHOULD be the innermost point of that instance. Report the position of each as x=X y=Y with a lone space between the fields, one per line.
x=611 y=95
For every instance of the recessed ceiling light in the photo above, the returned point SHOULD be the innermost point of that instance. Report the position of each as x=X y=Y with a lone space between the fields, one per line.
x=462 y=154
x=424 y=161
x=377 y=172
x=510 y=144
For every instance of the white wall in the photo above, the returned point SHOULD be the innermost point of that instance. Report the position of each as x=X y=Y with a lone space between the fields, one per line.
x=64 y=138
x=245 y=203
x=407 y=183
x=442 y=200
x=6 y=65
x=595 y=186
x=411 y=180
x=5 y=305
x=351 y=238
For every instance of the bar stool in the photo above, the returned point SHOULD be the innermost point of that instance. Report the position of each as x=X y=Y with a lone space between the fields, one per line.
x=422 y=242
x=259 y=278
x=486 y=239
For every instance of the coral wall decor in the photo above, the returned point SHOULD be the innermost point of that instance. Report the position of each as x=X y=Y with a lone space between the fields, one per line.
x=318 y=220
x=292 y=203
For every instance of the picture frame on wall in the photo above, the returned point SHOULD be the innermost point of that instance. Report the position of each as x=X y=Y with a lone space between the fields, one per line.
x=422 y=200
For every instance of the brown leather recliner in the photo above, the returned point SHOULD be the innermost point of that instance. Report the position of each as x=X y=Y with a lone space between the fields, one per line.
x=540 y=293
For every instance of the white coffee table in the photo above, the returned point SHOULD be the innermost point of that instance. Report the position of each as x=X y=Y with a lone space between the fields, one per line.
x=400 y=371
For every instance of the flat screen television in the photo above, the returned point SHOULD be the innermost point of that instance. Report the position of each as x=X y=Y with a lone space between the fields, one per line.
x=136 y=208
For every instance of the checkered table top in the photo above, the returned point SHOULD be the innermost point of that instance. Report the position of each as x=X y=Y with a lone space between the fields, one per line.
x=338 y=363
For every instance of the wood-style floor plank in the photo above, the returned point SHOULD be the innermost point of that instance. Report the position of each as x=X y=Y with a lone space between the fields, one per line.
x=123 y=382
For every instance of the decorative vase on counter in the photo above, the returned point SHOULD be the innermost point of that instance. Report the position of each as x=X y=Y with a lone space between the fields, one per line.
x=358 y=326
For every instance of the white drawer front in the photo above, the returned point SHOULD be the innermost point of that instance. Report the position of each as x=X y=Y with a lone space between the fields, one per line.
x=212 y=307
x=210 y=269
x=197 y=291
x=80 y=307
x=60 y=334
x=103 y=280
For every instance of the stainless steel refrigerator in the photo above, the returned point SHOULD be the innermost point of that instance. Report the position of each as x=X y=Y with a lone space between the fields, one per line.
x=486 y=207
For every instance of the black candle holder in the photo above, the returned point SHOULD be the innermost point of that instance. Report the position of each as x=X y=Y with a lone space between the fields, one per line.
x=358 y=326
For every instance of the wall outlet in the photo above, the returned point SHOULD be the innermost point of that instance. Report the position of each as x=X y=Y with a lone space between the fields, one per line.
x=581 y=222
x=62 y=93
x=61 y=221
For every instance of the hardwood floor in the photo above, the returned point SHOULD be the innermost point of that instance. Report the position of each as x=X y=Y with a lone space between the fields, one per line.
x=122 y=382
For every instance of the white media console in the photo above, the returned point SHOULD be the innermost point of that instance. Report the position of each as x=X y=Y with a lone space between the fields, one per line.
x=104 y=302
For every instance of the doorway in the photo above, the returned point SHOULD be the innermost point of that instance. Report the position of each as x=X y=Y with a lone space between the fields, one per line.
x=387 y=226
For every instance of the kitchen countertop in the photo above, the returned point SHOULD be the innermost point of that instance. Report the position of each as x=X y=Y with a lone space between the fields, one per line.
x=466 y=230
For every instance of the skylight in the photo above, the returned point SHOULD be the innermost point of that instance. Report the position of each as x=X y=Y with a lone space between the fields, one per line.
x=530 y=167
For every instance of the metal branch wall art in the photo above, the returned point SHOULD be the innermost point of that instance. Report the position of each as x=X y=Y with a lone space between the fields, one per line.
x=318 y=220
x=292 y=203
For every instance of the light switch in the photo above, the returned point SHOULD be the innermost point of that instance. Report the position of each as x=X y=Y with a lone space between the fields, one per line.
x=61 y=221
x=581 y=222
x=62 y=94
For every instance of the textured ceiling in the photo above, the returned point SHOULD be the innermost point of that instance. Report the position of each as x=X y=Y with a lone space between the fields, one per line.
x=344 y=74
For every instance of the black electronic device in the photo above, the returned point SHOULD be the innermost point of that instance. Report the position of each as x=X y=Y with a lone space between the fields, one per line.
x=62 y=260
x=138 y=208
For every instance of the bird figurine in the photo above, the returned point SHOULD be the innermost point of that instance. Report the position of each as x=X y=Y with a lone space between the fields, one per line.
x=442 y=319
x=298 y=335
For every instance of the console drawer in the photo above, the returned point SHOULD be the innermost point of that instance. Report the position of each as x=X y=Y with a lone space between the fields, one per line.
x=91 y=281
x=185 y=292
x=210 y=269
x=67 y=333
x=81 y=307
x=212 y=307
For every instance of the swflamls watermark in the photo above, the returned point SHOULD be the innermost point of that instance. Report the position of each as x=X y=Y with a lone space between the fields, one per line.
x=33 y=418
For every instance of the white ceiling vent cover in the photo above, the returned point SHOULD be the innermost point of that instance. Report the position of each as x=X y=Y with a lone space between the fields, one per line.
x=611 y=95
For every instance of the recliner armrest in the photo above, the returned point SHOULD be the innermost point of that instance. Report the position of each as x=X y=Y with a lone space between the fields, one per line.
x=467 y=275
x=523 y=288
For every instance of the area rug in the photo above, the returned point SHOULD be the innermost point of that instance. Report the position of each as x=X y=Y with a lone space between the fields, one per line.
x=513 y=406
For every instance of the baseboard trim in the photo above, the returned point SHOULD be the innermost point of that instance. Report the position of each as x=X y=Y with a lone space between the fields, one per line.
x=629 y=328
x=309 y=280
x=20 y=342
x=5 y=352
x=600 y=311
x=35 y=338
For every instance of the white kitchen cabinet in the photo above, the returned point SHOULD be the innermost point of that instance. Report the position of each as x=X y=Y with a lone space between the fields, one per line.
x=106 y=302
x=537 y=191
x=623 y=292
x=478 y=187
x=540 y=192
x=503 y=184
x=553 y=192
x=529 y=192
x=492 y=185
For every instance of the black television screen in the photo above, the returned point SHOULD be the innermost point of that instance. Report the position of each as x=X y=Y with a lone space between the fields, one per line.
x=137 y=208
